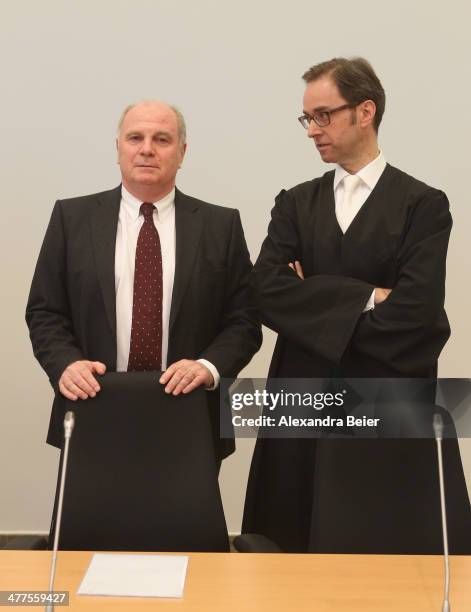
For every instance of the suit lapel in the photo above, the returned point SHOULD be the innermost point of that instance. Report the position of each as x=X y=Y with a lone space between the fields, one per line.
x=188 y=228
x=326 y=245
x=104 y=224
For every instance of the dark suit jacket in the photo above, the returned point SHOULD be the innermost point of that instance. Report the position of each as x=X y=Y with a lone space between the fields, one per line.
x=71 y=311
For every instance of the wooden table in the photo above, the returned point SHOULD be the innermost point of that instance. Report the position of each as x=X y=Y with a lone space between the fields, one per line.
x=285 y=583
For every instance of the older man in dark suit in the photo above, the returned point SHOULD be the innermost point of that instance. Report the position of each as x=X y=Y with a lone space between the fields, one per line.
x=142 y=277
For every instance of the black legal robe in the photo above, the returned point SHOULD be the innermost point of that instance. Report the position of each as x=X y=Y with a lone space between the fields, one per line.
x=354 y=495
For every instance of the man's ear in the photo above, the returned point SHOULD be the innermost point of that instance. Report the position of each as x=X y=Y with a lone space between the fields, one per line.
x=117 y=151
x=182 y=154
x=367 y=112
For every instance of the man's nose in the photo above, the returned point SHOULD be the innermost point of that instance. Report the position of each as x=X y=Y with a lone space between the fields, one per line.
x=147 y=147
x=313 y=129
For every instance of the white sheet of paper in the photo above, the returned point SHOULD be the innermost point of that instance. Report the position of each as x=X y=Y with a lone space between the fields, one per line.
x=135 y=575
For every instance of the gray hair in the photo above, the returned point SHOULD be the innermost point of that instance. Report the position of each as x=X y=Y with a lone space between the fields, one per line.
x=181 y=126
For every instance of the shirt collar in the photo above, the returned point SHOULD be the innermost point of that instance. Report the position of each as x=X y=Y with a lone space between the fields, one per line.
x=132 y=205
x=369 y=174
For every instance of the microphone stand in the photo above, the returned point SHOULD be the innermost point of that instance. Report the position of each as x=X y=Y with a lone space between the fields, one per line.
x=438 y=429
x=69 y=422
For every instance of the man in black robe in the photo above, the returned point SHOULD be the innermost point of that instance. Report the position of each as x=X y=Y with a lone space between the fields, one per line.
x=352 y=278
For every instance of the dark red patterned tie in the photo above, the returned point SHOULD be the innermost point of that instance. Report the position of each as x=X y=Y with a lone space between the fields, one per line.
x=145 y=351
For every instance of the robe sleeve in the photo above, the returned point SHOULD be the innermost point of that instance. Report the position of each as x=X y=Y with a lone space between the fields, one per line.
x=319 y=313
x=409 y=329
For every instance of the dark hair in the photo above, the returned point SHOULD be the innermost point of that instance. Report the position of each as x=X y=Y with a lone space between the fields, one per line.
x=356 y=81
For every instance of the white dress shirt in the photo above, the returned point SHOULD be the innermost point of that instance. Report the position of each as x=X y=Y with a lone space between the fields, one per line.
x=369 y=176
x=130 y=222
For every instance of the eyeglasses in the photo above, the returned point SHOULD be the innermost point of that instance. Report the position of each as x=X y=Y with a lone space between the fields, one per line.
x=322 y=117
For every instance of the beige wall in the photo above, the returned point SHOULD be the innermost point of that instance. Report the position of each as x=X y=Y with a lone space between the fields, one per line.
x=67 y=70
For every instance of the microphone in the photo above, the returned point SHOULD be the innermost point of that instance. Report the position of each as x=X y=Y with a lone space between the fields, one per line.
x=69 y=422
x=438 y=429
